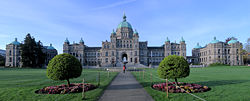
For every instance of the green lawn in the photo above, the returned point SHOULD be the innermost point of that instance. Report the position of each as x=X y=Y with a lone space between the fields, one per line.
x=228 y=83
x=20 y=85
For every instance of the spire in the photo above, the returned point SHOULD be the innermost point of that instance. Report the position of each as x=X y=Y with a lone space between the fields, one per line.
x=50 y=45
x=16 y=39
x=214 y=38
x=124 y=17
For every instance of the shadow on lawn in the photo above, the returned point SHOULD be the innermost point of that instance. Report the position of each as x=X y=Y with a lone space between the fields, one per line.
x=221 y=82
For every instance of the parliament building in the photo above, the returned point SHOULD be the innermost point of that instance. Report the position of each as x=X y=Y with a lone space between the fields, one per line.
x=124 y=45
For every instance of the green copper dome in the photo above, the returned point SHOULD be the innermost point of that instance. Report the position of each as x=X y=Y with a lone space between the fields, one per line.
x=67 y=41
x=214 y=41
x=135 y=32
x=197 y=46
x=50 y=47
x=15 y=42
x=113 y=32
x=232 y=41
x=124 y=23
x=167 y=40
x=182 y=39
x=81 y=41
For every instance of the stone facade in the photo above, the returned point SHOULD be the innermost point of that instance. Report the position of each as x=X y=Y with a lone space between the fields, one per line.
x=124 y=44
x=13 y=54
x=218 y=52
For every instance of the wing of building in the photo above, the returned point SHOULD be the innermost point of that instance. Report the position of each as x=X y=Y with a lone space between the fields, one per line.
x=218 y=52
x=124 y=45
x=13 y=54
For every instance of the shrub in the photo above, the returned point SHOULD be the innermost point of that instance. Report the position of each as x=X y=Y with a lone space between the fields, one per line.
x=173 y=67
x=64 y=67
x=218 y=64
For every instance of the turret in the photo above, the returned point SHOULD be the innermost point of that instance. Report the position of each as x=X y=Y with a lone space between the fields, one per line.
x=66 y=41
x=182 y=40
x=136 y=33
x=167 y=41
x=81 y=41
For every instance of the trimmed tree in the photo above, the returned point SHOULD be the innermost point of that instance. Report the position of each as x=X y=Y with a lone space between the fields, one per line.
x=64 y=67
x=173 y=67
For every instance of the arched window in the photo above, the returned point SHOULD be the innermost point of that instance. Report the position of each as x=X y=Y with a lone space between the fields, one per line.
x=10 y=52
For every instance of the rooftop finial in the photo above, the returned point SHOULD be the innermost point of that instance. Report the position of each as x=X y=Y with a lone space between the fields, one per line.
x=16 y=39
x=124 y=17
x=50 y=45
x=214 y=38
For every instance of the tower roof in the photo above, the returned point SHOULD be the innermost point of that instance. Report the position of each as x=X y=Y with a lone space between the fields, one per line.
x=167 y=40
x=50 y=47
x=124 y=23
x=232 y=41
x=197 y=46
x=81 y=41
x=182 y=39
x=15 y=42
x=135 y=32
x=67 y=41
x=214 y=41
x=113 y=32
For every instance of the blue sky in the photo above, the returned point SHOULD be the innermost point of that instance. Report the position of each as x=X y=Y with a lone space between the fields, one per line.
x=51 y=21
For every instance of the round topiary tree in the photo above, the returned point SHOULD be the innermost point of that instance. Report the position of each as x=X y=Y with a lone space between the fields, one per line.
x=64 y=67
x=173 y=67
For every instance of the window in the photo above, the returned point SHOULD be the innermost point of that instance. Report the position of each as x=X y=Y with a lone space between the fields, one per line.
x=10 y=52
x=228 y=51
x=135 y=53
x=218 y=51
x=237 y=51
x=106 y=54
x=10 y=59
x=113 y=53
x=106 y=60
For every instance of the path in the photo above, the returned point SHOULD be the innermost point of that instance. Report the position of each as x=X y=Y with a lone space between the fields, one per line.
x=125 y=88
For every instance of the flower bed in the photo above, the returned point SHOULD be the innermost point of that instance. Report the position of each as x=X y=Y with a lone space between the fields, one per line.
x=64 y=89
x=183 y=87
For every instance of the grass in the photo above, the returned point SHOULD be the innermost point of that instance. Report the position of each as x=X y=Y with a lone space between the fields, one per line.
x=20 y=85
x=228 y=83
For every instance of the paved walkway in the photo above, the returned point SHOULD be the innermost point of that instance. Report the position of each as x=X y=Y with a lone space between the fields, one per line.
x=125 y=88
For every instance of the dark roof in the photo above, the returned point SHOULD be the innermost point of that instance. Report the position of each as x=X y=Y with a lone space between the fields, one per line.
x=155 y=47
x=93 y=48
